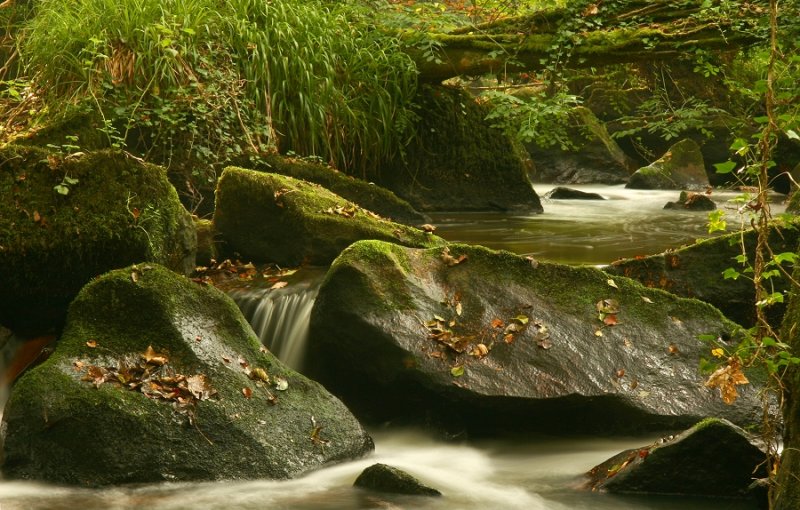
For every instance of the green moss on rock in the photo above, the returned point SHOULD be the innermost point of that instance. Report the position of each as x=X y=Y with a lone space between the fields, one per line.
x=60 y=428
x=459 y=162
x=367 y=195
x=65 y=220
x=207 y=249
x=276 y=218
x=681 y=167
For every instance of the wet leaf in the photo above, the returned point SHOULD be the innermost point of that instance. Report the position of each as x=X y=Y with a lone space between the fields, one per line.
x=509 y=338
x=247 y=392
x=612 y=283
x=610 y=320
x=457 y=371
x=497 y=323
x=279 y=285
x=513 y=328
x=259 y=374
x=152 y=357
x=522 y=319
x=726 y=379
x=479 y=351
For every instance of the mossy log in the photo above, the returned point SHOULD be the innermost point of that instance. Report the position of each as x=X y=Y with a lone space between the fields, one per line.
x=593 y=34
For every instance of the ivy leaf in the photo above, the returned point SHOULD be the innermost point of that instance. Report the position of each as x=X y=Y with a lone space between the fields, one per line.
x=725 y=168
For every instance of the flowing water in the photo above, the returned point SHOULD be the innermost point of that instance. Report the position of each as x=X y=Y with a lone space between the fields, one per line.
x=529 y=474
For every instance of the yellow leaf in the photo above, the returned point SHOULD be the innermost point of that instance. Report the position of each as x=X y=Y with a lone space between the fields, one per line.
x=717 y=353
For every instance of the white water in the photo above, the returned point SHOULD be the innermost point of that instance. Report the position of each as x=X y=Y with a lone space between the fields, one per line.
x=280 y=317
x=512 y=475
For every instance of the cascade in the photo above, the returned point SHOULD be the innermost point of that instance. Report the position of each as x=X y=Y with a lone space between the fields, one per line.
x=280 y=317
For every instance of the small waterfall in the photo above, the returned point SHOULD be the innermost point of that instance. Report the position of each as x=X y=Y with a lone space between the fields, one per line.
x=280 y=317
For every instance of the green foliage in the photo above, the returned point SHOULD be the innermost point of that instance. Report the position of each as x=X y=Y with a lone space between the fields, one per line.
x=540 y=119
x=201 y=82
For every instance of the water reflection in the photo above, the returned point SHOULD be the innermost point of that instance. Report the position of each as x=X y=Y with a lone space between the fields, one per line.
x=628 y=223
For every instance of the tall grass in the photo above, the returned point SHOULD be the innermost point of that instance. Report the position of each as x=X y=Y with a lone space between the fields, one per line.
x=324 y=83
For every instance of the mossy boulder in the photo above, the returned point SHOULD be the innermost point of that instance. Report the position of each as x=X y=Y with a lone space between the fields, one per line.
x=493 y=342
x=276 y=218
x=594 y=158
x=87 y=417
x=207 y=249
x=697 y=271
x=458 y=162
x=713 y=458
x=562 y=193
x=389 y=479
x=65 y=220
x=681 y=167
x=787 y=490
x=367 y=195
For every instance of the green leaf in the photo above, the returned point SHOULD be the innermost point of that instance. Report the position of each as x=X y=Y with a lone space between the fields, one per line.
x=725 y=168
x=731 y=274
x=457 y=371
x=61 y=189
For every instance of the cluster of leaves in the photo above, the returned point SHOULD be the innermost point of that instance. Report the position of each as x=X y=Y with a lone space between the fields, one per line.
x=151 y=375
x=231 y=273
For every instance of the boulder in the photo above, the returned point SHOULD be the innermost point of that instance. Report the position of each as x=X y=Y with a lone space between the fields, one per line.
x=692 y=202
x=366 y=194
x=383 y=478
x=681 y=167
x=67 y=219
x=787 y=490
x=493 y=342
x=157 y=378
x=207 y=243
x=596 y=157
x=459 y=162
x=698 y=271
x=276 y=218
x=713 y=458
x=562 y=193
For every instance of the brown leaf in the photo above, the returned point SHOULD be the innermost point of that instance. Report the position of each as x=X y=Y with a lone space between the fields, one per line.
x=37 y=217
x=199 y=386
x=673 y=349
x=620 y=373
x=497 y=323
x=726 y=379
x=610 y=319
x=91 y=344
x=152 y=357
x=247 y=392
x=544 y=343
x=279 y=285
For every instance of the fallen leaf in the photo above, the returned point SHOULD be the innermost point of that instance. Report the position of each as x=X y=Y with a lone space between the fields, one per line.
x=152 y=357
x=259 y=374
x=457 y=371
x=544 y=343
x=620 y=373
x=479 y=351
x=610 y=320
x=522 y=319
x=673 y=349
x=279 y=285
x=647 y=300
x=509 y=338
x=91 y=344
x=726 y=379
x=134 y=276
x=612 y=283
x=458 y=308
x=247 y=392
x=597 y=332
x=427 y=228
x=497 y=323
x=36 y=217
x=199 y=387
x=281 y=384
x=718 y=352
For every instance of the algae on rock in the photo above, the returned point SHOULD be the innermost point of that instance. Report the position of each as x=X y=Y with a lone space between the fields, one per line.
x=64 y=423
x=67 y=219
x=276 y=218
x=458 y=162
x=681 y=167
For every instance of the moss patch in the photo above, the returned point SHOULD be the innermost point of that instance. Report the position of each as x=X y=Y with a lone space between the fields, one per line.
x=276 y=218
x=111 y=211
x=458 y=162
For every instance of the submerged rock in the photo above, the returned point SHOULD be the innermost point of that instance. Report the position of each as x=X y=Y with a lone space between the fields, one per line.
x=459 y=162
x=383 y=478
x=562 y=193
x=157 y=378
x=713 y=458
x=276 y=218
x=67 y=219
x=692 y=202
x=697 y=271
x=490 y=341
x=682 y=167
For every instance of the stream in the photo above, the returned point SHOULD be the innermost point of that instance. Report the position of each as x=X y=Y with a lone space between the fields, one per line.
x=536 y=473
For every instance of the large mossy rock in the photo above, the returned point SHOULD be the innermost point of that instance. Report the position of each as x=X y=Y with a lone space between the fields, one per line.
x=697 y=271
x=459 y=162
x=596 y=158
x=681 y=167
x=276 y=218
x=367 y=195
x=494 y=342
x=65 y=220
x=714 y=458
x=787 y=490
x=67 y=422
